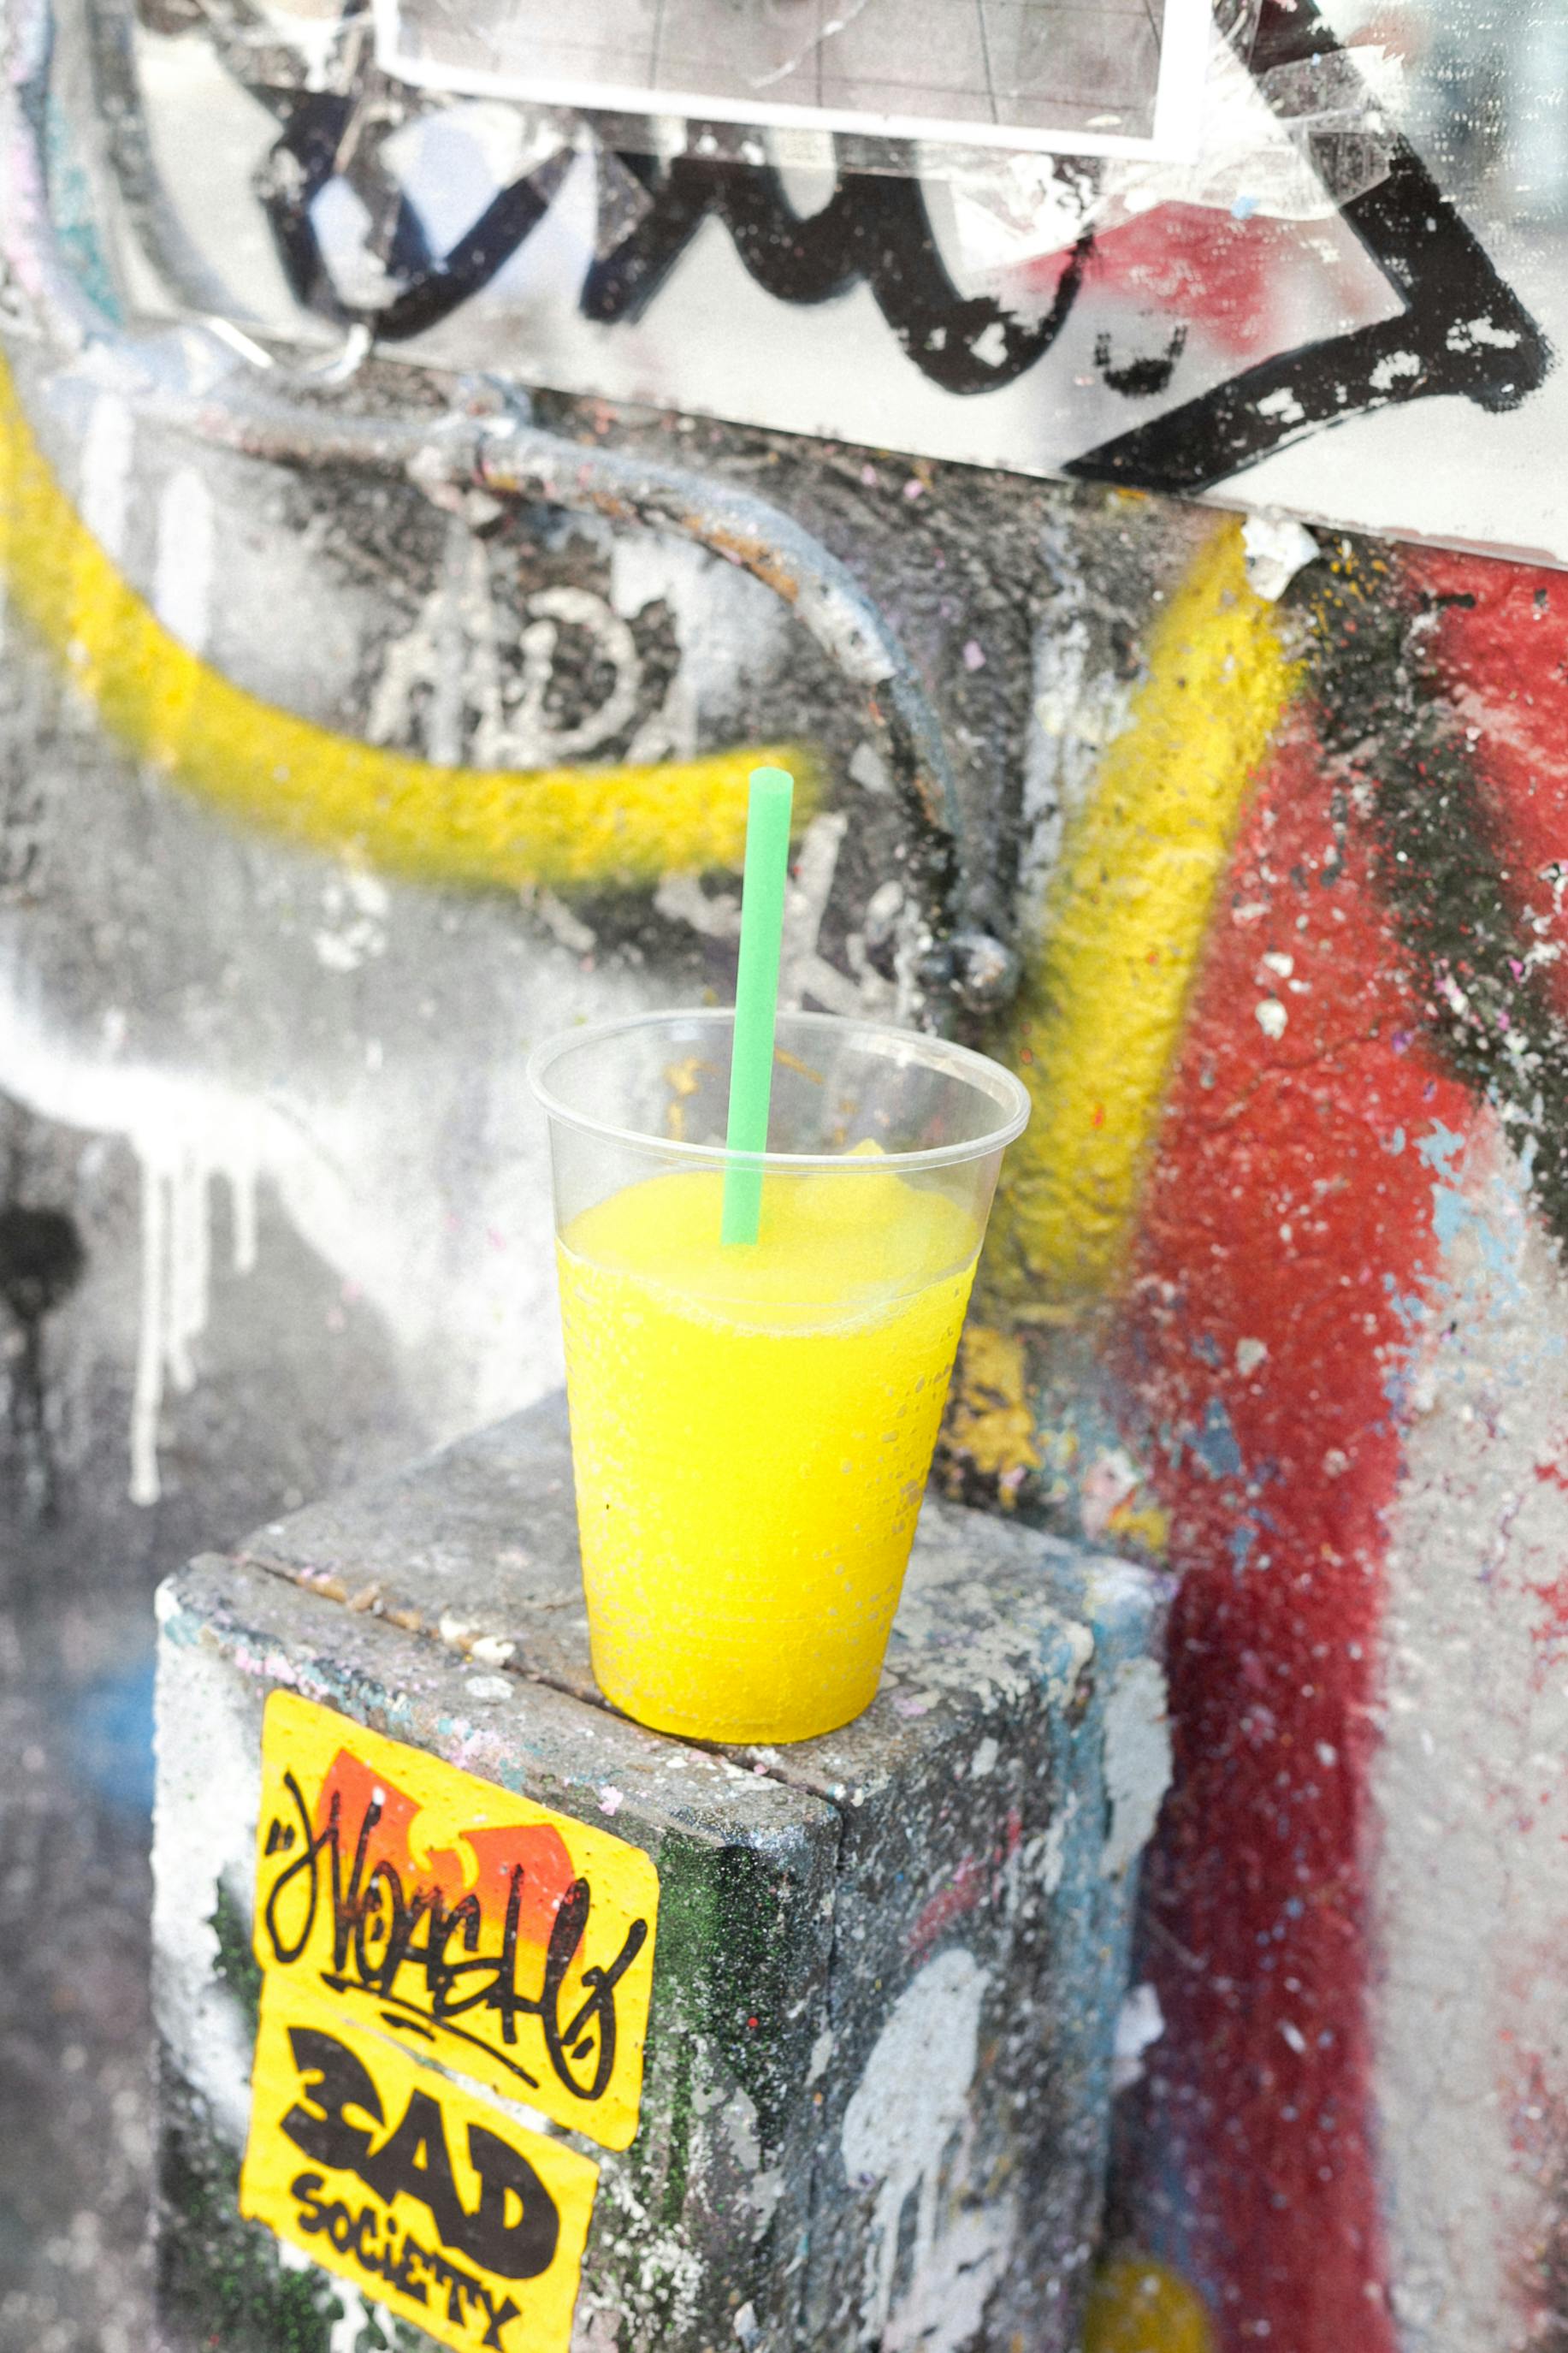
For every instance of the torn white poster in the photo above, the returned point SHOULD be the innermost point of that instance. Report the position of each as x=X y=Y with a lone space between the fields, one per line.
x=1109 y=77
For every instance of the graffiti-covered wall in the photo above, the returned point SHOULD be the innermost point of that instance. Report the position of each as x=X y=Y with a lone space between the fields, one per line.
x=362 y=721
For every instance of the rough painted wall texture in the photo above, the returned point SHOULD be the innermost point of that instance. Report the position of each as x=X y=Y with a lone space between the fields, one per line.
x=1276 y=1294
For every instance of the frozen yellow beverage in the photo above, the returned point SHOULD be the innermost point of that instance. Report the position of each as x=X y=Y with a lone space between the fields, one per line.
x=752 y=1431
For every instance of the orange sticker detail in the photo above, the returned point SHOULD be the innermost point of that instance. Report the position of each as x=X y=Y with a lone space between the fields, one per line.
x=496 y=1937
x=424 y=2196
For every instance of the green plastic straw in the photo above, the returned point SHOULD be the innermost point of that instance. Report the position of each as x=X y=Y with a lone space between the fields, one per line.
x=756 y=996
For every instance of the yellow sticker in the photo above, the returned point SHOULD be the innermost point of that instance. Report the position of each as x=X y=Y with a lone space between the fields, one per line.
x=423 y=2195
x=511 y=1944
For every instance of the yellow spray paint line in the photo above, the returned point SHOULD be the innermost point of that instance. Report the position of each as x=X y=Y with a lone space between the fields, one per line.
x=559 y=827
x=1098 y=1024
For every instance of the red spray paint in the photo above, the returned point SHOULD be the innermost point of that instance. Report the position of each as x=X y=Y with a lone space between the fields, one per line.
x=1286 y=1227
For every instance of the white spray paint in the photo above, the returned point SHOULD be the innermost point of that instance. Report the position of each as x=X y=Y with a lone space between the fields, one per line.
x=354 y=904
x=179 y=1158
x=908 y=2132
x=1078 y=706
x=209 y=1780
x=355 y=2313
x=1137 y=1761
x=806 y=975
x=1469 y=1885
x=356 y=1159
x=1276 y=549
x=105 y=452
x=1138 y=2024
x=182 y=574
x=479 y=707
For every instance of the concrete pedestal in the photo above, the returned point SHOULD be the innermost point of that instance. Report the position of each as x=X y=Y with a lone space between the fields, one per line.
x=885 y=1969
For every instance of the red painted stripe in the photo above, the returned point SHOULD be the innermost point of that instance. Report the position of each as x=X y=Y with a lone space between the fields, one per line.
x=1284 y=1217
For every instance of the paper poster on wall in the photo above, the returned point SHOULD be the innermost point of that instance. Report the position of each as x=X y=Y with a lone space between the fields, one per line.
x=1107 y=77
x=489 y=1934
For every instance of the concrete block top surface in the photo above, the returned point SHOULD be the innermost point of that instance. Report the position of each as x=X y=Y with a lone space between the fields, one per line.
x=476 y=1547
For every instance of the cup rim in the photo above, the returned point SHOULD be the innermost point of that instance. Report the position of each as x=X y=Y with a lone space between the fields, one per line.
x=989 y=1078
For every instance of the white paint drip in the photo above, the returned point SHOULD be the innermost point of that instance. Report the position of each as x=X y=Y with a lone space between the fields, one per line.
x=454 y=1258
x=178 y=1164
x=907 y=2133
x=182 y=574
x=107 y=450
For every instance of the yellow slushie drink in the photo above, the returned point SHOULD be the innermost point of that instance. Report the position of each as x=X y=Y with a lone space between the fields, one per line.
x=752 y=1430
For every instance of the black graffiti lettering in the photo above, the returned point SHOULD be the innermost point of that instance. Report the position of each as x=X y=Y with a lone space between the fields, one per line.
x=597 y=2009
x=496 y=2318
x=1147 y=372
x=1435 y=267
x=517 y=2229
x=440 y=1925
x=309 y=153
x=321 y=2216
x=875 y=229
x=458 y=1988
x=307 y=2188
x=415 y=2160
x=514 y=2232
x=458 y=2287
x=348 y=1905
x=343 y=2230
x=285 y=1946
x=369 y=2238
x=405 y=2273
x=876 y=226
x=333 y=2081
x=386 y=1941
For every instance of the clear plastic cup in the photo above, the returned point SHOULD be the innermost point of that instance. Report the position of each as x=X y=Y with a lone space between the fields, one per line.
x=752 y=1425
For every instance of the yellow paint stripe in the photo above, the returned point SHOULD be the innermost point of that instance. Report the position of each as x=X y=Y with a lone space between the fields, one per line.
x=558 y=828
x=1098 y=1020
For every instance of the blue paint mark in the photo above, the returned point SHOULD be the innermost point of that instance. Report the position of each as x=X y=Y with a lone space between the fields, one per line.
x=1396 y=1143
x=71 y=207
x=1215 y=1445
x=1242 y=1540
x=1244 y=208
x=108 y=1732
x=1449 y=1213
x=1207 y=1351
x=1437 y=1150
